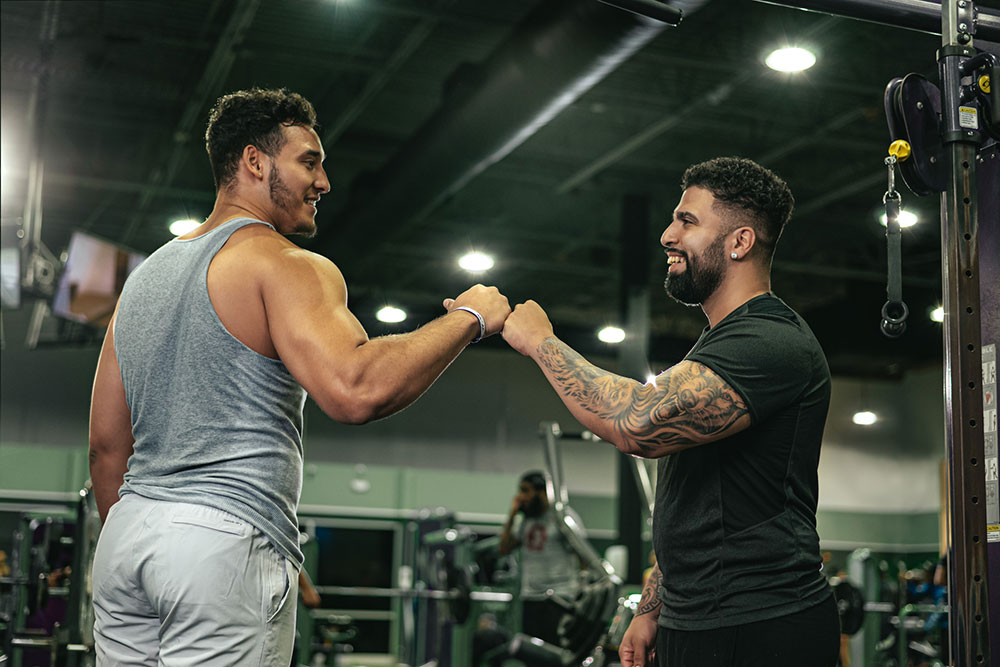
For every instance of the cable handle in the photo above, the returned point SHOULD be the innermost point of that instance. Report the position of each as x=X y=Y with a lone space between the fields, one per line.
x=894 y=312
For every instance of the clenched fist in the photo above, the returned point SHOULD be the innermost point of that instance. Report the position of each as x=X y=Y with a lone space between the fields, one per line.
x=487 y=301
x=526 y=328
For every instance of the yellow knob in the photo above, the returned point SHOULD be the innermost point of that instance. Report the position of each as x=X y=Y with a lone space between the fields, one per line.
x=899 y=149
x=984 y=83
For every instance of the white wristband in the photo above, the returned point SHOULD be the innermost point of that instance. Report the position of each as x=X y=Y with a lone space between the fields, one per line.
x=482 y=322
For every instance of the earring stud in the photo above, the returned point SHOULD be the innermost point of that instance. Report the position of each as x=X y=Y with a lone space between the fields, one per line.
x=734 y=256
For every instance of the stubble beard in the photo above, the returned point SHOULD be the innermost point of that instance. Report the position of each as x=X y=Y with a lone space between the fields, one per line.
x=700 y=279
x=285 y=200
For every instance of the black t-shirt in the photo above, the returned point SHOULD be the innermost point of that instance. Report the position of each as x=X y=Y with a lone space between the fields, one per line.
x=735 y=520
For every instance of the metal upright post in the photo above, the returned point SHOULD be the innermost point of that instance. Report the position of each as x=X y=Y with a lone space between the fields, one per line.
x=963 y=396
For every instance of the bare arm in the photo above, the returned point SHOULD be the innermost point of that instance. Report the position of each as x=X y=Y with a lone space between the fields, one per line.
x=110 y=428
x=650 y=603
x=508 y=540
x=638 y=645
x=355 y=379
x=687 y=405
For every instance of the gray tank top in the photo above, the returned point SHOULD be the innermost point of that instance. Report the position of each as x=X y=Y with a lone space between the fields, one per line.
x=215 y=423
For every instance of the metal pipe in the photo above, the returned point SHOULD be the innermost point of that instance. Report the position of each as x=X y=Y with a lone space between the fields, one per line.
x=651 y=8
x=376 y=592
x=963 y=396
x=921 y=15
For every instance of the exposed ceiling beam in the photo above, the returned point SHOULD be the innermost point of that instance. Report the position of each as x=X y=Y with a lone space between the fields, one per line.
x=209 y=85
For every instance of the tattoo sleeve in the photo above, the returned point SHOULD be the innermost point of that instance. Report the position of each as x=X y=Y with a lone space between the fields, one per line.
x=686 y=405
x=650 y=600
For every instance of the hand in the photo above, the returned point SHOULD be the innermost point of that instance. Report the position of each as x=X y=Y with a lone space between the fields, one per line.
x=638 y=647
x=487 y=301
x=311 y=598
x=527 y=327
x=515 y=505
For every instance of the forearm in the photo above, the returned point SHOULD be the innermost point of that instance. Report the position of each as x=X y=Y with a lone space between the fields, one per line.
x=107 y=472
x=613 y=407
x=391 y=372
x=686 y=405
x=649 y=603
x=507 y=540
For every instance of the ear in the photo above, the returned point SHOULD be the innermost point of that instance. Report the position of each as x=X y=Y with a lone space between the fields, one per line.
x=252 y=161
x=744 y=239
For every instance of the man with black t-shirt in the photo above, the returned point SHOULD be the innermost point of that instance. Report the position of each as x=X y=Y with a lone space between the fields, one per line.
x=737 y=426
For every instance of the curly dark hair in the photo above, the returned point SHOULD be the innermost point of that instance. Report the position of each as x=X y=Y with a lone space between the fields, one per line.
x=752 y=194
x=251 y=117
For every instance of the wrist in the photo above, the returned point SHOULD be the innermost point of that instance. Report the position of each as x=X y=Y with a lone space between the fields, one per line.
x=480 y=329
x=650 y=615
x=536 y=349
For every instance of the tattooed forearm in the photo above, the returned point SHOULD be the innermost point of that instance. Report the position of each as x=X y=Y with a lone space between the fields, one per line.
x=650 y=600
x=687 y=405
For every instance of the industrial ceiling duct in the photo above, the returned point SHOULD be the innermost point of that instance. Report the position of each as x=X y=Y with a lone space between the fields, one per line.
x=558 y=52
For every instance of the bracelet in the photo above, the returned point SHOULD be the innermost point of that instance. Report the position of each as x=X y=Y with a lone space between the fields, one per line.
x=482 y=322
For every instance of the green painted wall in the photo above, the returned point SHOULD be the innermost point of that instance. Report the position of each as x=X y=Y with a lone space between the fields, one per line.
x=333 y=487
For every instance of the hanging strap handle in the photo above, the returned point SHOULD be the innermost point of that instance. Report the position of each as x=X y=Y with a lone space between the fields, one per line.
x=894 y=312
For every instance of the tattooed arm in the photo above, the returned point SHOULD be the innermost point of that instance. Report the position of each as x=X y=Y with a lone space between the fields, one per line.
x=687 y=405
x=637 y=646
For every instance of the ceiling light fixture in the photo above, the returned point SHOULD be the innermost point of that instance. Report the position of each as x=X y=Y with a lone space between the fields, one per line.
x=790 y=59
x=612 y=335
x=864 y=418
x=390 y=314
x=906 y=219
x=182 y=227
x=937 y=314
x=476 y=262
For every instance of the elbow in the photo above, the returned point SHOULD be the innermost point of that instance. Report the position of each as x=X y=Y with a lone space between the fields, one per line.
x=351 y=405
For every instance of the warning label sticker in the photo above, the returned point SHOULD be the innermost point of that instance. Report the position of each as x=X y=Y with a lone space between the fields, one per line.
x=968 y=117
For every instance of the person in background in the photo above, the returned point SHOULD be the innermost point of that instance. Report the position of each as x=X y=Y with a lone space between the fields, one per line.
x=548 y=562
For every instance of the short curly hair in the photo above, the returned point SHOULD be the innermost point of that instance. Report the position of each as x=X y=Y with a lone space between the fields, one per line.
x=251 y=117
x=752 y=194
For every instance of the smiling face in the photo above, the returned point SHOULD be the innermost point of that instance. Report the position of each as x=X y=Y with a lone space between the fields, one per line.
x=694 y=243
x=296 y=180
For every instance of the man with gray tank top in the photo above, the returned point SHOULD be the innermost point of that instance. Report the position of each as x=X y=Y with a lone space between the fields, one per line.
x=196 y=415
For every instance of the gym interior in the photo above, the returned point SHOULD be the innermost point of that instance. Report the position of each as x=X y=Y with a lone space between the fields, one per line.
x=449 y=129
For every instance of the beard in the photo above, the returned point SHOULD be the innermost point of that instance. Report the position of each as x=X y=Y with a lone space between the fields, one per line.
x=701 y=277
x=284 y=200
x=534 y=507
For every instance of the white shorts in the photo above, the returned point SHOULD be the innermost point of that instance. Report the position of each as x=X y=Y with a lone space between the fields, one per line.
x=181 y=585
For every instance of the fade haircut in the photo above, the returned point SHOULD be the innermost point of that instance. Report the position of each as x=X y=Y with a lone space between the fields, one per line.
x=251 y=117
x=749 y=193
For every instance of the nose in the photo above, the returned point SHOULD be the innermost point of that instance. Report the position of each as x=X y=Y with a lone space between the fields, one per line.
x=322 y=183
x=669 y=235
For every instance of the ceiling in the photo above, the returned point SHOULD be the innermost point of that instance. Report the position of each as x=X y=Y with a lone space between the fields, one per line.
x=530 y=129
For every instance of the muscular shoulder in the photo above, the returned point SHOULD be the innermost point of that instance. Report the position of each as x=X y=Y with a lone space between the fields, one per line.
x=276 y=264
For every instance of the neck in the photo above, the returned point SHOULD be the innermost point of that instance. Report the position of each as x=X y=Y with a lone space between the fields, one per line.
x=230 y=204
x=738 y=287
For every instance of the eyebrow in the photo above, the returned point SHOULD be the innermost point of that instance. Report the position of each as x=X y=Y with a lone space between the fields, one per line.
x=312 y=153
x=685 y=215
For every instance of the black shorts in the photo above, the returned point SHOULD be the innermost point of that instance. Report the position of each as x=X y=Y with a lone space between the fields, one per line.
x=809 y=638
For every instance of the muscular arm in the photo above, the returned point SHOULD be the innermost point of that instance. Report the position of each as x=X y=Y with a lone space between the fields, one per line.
x=687 y=405
x=355 y=379
x=110 y=428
